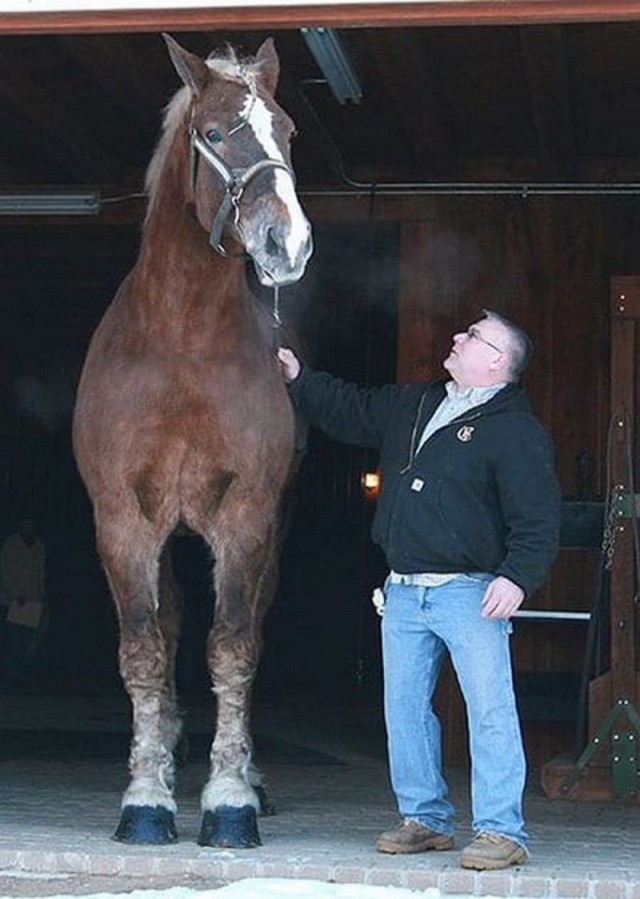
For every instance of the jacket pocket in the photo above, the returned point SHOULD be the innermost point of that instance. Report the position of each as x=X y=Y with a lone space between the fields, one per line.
x=425 y=534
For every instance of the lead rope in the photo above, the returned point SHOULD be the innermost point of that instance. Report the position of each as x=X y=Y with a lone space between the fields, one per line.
x=277 y=321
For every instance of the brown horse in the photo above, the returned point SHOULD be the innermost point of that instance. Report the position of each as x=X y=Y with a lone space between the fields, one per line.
x=182 y=419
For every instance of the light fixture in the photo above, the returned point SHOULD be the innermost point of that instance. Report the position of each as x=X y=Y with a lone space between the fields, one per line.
x=50 y=203
x=332 y=58
x=370 y=483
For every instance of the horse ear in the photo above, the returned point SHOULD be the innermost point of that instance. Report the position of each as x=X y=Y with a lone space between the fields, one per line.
x=269 y=65
x=194 y=71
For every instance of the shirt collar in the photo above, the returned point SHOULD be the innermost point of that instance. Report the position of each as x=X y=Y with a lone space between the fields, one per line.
x=472 y=395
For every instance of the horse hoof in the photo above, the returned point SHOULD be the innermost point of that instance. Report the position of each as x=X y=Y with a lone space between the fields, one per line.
x=267 y=807
x=146 y=824
x=230 y=828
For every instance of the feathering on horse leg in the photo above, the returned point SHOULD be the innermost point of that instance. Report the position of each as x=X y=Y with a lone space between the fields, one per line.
x=234 y=794
x=265 y=592
x=229 y=802
x=232 y=797
x=148 y=806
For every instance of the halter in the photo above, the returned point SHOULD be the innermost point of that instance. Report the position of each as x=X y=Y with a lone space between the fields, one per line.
x=234 y=181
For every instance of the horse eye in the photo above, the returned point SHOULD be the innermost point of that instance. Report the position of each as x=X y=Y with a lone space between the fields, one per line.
x=213 y=136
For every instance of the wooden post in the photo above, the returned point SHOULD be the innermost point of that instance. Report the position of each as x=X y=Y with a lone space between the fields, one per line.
x=608 y=766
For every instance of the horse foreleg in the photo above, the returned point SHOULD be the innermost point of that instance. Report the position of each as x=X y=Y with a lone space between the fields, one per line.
x=148 y=807
x=233 y=796
x=229 y=802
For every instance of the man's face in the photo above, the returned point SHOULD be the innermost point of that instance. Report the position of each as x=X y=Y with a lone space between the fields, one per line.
x=478 y=356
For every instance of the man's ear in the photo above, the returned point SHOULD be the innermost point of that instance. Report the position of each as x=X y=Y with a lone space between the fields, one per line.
x=500 y=364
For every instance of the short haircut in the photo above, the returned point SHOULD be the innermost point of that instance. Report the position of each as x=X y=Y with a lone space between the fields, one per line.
x=520 y=344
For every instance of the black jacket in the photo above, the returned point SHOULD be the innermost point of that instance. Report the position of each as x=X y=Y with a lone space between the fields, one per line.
x=482 y=493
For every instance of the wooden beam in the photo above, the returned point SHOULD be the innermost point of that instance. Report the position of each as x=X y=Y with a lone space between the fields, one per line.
x=53 y=126
x=545 y=66
x=50 y=124
x=403 y=62
x=625 y=311
x=114 y=62
x=625 y=297
x=440 y=12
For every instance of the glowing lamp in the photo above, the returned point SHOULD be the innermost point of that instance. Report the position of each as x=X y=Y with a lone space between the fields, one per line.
x=370 y=483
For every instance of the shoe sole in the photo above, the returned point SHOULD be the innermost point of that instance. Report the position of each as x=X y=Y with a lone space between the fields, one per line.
x=439 y=844
x=494 y=864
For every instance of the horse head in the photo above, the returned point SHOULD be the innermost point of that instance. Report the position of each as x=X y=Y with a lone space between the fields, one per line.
x=242 y=183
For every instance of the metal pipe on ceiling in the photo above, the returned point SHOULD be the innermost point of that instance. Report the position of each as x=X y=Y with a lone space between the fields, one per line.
x=524 y=191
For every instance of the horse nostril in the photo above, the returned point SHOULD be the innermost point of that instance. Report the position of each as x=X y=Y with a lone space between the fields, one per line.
x=308 y=246
x=272 y=244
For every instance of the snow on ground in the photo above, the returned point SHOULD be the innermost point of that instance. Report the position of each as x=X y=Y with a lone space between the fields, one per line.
x=281 y=888
x=275 y=888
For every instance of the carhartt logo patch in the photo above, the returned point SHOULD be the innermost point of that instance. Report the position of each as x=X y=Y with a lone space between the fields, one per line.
x=465 y=433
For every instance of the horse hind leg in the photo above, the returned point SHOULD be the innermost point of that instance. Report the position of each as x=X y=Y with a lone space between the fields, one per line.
x=147 y=641
x=233 y=795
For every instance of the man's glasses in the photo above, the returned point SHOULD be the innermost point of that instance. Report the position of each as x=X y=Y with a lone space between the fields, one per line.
x=476 y=335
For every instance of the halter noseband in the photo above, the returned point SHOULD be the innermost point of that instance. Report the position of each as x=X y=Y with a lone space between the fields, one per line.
x=234 y=180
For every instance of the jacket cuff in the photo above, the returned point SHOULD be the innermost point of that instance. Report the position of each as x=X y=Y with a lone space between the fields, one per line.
x=293 y=386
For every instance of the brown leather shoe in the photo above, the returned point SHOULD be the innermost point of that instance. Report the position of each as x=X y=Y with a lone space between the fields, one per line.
x=411 y=836
x=491 y=851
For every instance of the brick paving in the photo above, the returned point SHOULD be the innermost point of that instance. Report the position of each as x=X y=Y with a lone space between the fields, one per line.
x=57 y=815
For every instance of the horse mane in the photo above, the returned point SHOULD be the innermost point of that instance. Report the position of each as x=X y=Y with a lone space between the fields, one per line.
x=228 y=66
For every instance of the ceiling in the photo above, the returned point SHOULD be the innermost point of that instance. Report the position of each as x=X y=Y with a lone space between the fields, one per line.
x=537 y=103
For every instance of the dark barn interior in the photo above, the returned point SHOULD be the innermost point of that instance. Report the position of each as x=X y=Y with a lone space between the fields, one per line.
x=484 y=166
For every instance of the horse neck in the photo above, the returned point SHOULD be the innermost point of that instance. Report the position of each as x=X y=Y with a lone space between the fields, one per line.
x=177 y=269
x=174 y=241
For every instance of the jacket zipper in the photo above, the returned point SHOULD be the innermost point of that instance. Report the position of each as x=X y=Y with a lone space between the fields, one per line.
x=412 y=445
x=414 y=434
x=412 y=455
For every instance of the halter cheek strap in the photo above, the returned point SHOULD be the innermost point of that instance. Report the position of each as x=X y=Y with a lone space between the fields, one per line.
x=234 y=181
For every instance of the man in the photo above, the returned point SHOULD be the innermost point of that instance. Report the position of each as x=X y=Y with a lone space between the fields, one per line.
x=22 y=584
x=468 y=518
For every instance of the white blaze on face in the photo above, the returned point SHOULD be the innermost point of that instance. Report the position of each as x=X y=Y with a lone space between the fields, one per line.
x=261 y=123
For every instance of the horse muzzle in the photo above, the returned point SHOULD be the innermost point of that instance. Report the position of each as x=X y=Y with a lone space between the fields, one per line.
x=278 y=261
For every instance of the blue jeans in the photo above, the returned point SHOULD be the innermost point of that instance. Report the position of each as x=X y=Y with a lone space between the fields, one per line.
x=418 y=626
